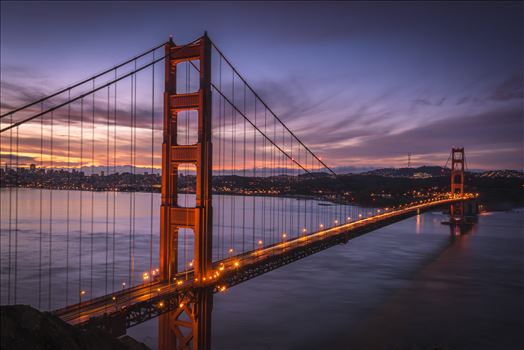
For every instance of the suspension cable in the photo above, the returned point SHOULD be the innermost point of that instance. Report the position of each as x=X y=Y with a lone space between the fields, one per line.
x=178 y=49
x=83 y=81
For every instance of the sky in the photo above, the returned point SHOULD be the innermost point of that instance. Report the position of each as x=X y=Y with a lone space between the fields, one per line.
x=362 y=84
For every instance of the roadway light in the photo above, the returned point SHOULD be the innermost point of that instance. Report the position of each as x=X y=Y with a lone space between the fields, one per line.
x=260 y=242
x=284 y=235
x=230 y=250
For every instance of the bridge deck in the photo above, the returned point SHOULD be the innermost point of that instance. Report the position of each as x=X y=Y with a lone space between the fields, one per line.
x=142 y=302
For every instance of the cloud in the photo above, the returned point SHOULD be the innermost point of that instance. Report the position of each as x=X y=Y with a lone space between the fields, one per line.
x=509 y=89
x=492 y=132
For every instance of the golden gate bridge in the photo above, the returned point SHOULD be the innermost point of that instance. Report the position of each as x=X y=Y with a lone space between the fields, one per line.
x=213 y=132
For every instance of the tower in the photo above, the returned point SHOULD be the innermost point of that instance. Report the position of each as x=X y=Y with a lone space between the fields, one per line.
x=457 y=183
x=193 y=317
x=174 y=217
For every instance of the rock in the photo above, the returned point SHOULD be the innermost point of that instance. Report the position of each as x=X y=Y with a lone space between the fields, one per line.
x=23 y=327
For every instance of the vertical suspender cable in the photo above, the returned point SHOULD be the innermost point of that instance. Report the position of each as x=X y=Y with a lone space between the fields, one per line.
x=263 y=172
x=9 y=232
x=134 y=179
x=220 y=161
x=50 y=219
x=68 y=194
x=41 y=208
x=233 y=156
x=16 y=217
x=0 y=218
x=114 y=191
x=92 y=180
x=107 y=177
x=81 y=200
x=245 y=182
x=152 y=167
x=254 y=172
x=130 y=193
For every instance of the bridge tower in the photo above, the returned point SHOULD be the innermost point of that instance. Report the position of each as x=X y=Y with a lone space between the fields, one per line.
x=457 y=183
x=193 y=317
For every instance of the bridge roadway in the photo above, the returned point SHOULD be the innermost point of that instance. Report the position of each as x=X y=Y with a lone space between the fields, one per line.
x=142 y=302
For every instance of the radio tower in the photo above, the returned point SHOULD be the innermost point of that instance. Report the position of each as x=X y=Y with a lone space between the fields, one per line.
x=409 y=160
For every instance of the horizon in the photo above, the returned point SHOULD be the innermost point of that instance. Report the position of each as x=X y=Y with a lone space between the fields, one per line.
x=157 y=170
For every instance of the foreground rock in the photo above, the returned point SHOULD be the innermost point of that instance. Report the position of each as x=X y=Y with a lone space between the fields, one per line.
x=23 y=327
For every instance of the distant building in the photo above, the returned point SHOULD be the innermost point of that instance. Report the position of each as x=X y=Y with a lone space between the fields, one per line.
x=421 y=175
x=32 y=167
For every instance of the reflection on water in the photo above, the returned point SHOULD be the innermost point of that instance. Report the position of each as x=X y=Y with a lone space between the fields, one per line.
x=389 y=289
x=56 y=244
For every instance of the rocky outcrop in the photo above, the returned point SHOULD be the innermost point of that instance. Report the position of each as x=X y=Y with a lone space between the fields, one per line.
x=23 y=327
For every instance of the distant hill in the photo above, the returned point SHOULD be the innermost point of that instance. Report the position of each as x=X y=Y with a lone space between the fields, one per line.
x=436 y=171
x=502 y=174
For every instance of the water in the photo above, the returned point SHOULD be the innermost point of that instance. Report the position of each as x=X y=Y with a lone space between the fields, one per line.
x=55 y=243
x=411 y=285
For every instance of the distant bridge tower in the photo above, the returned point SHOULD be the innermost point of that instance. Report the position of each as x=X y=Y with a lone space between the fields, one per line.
x=189 y=326
x=457 y=183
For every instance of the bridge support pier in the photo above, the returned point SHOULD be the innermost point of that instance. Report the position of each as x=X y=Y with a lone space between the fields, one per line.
x=188 y=327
